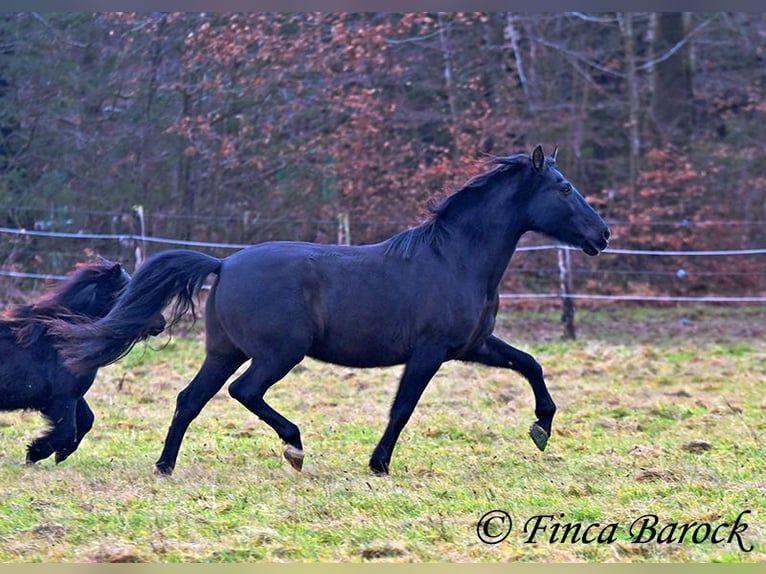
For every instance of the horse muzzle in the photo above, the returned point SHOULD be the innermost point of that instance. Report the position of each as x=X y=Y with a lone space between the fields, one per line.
x=156 y=327
x=595 y=246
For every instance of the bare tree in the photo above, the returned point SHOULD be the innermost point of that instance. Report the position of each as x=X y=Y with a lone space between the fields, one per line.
x=672 y=71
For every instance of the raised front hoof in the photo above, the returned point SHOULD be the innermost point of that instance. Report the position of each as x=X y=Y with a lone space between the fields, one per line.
x=539 y=436
x=294 y=456
x=163 y=469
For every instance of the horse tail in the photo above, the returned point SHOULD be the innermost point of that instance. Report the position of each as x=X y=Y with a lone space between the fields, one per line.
x=173 y=274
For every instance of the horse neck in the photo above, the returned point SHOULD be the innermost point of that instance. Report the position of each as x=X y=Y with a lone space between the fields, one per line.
x=483 y=240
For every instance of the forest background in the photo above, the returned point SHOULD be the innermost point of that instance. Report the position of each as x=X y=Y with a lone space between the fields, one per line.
x=241 y=128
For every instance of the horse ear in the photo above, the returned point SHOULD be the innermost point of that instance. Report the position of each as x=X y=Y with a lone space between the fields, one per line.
x=555 y=153
x=116 y=270
x=538 y=158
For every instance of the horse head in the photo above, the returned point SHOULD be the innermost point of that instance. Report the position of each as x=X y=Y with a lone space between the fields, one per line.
x=557 y=209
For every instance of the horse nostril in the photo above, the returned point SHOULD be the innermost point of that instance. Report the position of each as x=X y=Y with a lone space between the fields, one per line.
x=607 y=234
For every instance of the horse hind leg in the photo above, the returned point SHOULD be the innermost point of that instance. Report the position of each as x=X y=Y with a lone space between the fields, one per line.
x=215 y=371
x=250 y=388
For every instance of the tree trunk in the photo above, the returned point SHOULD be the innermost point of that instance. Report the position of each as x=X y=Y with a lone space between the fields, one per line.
x=184 y=189
x=672 y=97
x=513 y=36
x=449 y=84
x=634 y=133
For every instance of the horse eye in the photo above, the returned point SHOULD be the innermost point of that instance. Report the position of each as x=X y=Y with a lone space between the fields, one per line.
x=566 y=189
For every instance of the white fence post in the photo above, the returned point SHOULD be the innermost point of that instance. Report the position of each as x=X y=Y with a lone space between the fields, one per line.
x=139 y=247
x=567 y=301
x=344 y=229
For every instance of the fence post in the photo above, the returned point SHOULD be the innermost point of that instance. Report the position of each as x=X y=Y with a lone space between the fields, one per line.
x=344 y=229
x=139 y=247
x=567 y=302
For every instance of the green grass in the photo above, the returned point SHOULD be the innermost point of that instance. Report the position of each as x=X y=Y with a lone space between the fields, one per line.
x=636 y=392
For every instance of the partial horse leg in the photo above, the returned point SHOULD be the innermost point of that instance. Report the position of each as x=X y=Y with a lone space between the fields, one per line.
x=61 y=437
x=250 y=388
x=83 y=423
x=214 y=372
x=497 y=353
x=418 y=371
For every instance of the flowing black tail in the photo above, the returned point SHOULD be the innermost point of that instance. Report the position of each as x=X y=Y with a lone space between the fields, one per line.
x=173 y=274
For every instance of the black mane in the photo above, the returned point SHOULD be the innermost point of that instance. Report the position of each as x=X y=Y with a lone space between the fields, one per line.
x=74 y=298
x=434 y=231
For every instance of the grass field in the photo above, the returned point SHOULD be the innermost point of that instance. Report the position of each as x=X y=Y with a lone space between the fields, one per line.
x=658 y=417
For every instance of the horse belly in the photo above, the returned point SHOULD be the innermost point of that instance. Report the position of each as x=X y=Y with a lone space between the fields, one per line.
x=359 y=351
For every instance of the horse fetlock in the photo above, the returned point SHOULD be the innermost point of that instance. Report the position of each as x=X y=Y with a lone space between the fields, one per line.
x=539 y=436
x=294 y=456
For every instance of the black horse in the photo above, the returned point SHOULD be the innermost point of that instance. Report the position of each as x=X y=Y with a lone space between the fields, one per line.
x=32 y=375
x=426 y=295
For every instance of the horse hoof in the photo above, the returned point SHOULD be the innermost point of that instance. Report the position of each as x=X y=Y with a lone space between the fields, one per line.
x=162 y=470
x=379 y=467
x=294 y=456
x=33 y=455
x=539 y=436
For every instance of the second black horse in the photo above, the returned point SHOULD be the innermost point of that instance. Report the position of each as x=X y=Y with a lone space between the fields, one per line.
x=31 y=372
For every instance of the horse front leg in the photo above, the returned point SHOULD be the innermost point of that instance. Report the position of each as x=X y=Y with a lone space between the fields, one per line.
x=418 y=371
x=62 y=435
x=495 y=352
x=84 y=418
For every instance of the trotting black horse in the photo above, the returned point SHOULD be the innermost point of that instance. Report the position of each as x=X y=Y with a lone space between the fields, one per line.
x=32 y=375
x=424 y=296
